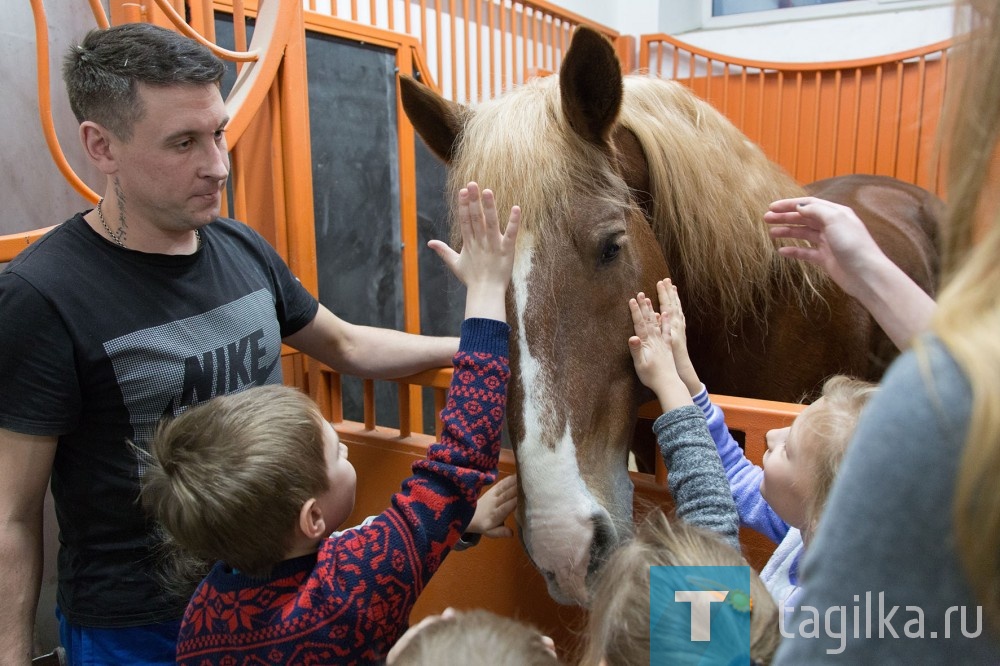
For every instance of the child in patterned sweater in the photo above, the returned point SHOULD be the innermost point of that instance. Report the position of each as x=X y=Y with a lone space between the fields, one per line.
x=258 y=480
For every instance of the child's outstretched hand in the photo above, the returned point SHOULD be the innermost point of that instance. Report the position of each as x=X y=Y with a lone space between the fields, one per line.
x=652 y=354
x=493 y=508
x=670 y=308
x=487 y=256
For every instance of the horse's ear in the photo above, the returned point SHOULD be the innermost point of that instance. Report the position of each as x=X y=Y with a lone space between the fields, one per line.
x=438 y=121
x=590 y=84
x=630 y=161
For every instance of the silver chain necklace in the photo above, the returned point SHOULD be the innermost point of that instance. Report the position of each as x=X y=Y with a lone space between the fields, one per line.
x=117 y=237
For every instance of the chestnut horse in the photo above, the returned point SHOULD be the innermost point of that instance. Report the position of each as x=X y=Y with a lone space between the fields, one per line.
x=622 y=182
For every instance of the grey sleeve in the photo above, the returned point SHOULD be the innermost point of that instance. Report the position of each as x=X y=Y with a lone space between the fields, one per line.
x=881 y=580
x=695 y=474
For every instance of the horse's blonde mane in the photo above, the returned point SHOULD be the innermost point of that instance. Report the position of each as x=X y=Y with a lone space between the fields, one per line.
x=710 y=185
x=520 y=146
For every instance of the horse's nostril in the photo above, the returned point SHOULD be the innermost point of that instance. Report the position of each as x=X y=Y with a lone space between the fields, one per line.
x=604 y=543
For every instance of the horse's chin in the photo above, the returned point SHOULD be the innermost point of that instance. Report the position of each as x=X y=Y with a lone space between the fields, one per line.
x=556 y=591
x=568 y=588
x=577 y=595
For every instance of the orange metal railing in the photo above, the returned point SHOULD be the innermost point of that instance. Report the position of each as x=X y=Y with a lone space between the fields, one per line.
x=474 y=50
x=874 y=115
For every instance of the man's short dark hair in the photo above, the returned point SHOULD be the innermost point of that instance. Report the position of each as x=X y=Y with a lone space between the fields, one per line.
x=103 y=72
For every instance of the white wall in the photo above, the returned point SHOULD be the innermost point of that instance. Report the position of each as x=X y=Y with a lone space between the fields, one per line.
x=805 y=40
x=34 y=193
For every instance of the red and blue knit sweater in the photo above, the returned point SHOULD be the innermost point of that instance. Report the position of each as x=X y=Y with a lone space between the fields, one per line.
x=348 y=603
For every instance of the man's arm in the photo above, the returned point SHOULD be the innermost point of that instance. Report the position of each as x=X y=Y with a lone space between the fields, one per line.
x=366 y=351
x=25 y=466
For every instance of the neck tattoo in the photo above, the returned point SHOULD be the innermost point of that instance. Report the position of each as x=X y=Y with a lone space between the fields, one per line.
x=119 y=236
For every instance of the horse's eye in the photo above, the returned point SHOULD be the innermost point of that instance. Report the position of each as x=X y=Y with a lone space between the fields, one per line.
x=610 y=251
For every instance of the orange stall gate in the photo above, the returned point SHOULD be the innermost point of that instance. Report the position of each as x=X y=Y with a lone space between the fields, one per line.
x=817 y=120
x=874 y=115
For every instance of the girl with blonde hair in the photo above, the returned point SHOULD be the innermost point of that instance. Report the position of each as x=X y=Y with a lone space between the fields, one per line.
x=618 y=631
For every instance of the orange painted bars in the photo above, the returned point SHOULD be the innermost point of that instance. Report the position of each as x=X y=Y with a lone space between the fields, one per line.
x=873 y=115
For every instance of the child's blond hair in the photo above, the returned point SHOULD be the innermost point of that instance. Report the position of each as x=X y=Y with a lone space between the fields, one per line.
x=476 y=637
x=228 y=477
x=618 y=626
x=828 y=430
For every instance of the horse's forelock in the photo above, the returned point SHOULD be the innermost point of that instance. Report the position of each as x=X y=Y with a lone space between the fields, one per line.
x=520 y=146
x=711 y=187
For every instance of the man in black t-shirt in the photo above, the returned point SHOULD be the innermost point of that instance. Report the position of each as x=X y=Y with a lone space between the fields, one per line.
x=134 y=310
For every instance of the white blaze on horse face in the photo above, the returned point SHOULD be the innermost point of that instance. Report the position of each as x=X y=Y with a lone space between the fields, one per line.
x=559 y=515
x=559 y=510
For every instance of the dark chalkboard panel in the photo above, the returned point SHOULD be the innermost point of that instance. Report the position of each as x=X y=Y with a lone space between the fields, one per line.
x=352 y=121
x=442 y=295
x=352 y=118
x=442 y=303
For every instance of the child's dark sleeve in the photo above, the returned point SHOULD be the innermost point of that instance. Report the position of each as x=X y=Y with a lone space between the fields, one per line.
x=473 y=415
x=694 y=473
x=440 y=498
